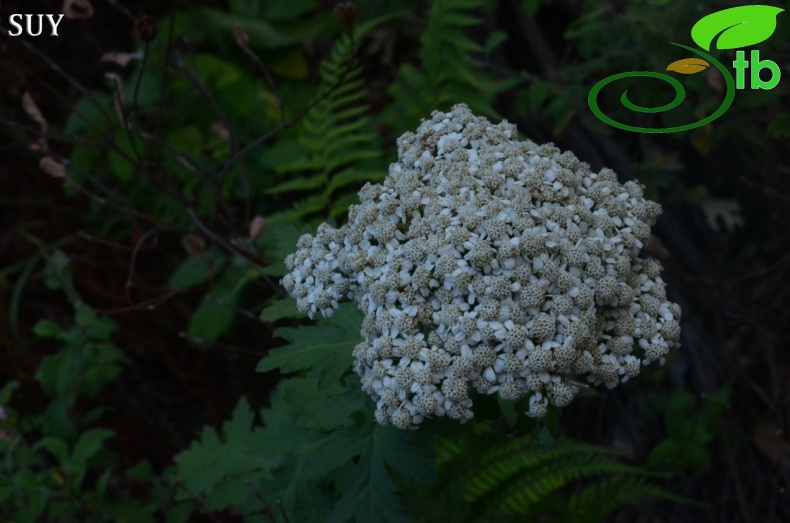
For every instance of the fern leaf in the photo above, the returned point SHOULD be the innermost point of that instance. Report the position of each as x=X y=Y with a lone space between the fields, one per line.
x=350 y=176
x=598 y=500
x=298 y=184
x=300 y=209
x=334 y=137
x=520 y=496
x=444 y=68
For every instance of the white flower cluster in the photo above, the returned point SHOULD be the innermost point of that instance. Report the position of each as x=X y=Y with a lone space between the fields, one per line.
x=487 y=262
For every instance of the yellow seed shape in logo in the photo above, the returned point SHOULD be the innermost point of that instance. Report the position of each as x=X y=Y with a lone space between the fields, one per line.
x=688 y=66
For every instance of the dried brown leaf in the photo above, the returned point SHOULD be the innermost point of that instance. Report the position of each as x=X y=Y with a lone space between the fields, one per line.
x=220 y=130
x=193 y=244
x=39 y=146
x=52 y=167
x=119 y=100
x=121 y=59
x=257 y=226
x=32 y=110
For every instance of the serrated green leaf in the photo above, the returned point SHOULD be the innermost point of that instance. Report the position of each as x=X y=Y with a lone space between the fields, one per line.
x=301 y=444
x=327 y=409
x=300 y=209
x=301 y=183
x=239 y=454
x=279 y=309
x=326 y=347
x=372 y=495
x=352 y=176
x=277 y=242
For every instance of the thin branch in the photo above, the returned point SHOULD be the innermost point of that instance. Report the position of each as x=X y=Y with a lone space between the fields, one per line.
x=217 y=108
x=223 y=346
x=139 y=79
x=168 y=49
x=290 y=123
x=146 y=305
x=282 y=510
x=73 y=82
x=133 y=262
x=70 y=182
x=243 y=41
x=233 y=249
x=29 y=128
x=119 y=101
x=266 y=507
x=196 y=500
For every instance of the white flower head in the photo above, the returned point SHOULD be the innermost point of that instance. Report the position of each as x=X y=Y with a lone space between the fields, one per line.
x=487 y=264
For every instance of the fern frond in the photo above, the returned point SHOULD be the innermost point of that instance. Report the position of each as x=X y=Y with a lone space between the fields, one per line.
x=521 y=478
x=446 y=76
x=520 y=496
x=337 y=146
x=518 y=456
x=598 y=500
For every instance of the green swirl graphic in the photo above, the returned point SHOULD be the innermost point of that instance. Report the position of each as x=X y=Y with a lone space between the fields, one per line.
x=680 y=94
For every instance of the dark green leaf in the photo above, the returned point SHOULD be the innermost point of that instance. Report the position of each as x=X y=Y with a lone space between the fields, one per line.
x=326 y=347
x=494 y=41
x=282 y=308
x=372 y=495
x=238 y=455
x=216 y=311
x=47 y=329
x=87 y=446
x=279 y=240
x=197 y=270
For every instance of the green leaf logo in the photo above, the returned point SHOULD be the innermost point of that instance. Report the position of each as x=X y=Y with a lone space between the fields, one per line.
x=736 y=27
